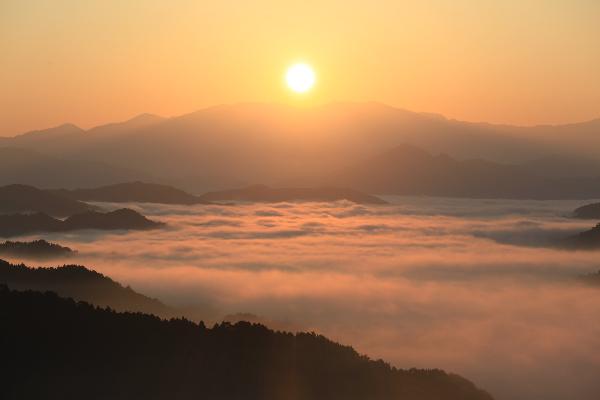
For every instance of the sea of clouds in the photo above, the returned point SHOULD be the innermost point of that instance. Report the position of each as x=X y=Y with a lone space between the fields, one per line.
x=470 y=286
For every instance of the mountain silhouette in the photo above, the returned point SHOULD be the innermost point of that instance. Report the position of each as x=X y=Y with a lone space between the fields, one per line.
x=59 y=349
x=41 y=137
x=589 y=211
x=233 y=145
x=81 y=284
x=27 y=199
x=408 y=170
x=586 y=240
x=560 y=166
x=18 y=165
x=39 y=249
x=263 y=193
x=133 y=192
x=123 y=219
x=138 y=122
x=70 y=138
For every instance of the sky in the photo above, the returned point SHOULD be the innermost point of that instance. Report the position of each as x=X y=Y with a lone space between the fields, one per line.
x=90 y=62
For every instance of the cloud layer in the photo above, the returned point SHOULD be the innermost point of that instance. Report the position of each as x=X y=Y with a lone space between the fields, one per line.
x=463 y=285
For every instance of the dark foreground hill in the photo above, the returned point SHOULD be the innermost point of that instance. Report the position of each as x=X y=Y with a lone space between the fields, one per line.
x=21 y=224
x=82 y=284
x=26 y=199
x=589 y=211
x=587 y=240
x=265 y=194
x=35 y=249
x=58 y=349
x=132 y=192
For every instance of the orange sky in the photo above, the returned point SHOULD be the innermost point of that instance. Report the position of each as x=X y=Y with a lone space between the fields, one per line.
x=89 y=62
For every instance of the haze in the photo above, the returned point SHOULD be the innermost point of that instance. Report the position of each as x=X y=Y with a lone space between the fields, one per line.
x=517 y=62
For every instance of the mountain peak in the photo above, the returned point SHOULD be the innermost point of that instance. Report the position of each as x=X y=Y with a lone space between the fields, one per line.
x=60 y=130
x=145 y=118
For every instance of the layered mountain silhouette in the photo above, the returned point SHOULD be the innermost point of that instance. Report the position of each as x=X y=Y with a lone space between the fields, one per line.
x=232 y=145
x=408 y=170
x=557 y=166
x=31 y=167
x=589 y=211
x=60 y=349
x=133 y=192
x=123 y=219
x=28 y=199
x=39 y=249
x=81 y=284
x=265 y=194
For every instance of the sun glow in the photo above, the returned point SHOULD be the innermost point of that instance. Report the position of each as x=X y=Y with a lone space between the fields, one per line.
x=300 y=78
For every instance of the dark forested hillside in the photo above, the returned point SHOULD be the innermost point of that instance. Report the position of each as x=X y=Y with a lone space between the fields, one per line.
x=21 y=224
x=34 y=249
x=58 y=349
x=589 y=211
x=586 y=240
x=82 y=284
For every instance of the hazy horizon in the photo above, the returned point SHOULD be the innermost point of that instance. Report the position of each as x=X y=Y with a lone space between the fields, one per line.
x=65 y=60
x=299 y=107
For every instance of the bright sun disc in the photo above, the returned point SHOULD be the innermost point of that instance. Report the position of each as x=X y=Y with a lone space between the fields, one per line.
x=300 y=78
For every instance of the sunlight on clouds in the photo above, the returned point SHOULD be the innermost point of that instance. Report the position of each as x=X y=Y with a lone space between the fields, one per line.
x=455 y=284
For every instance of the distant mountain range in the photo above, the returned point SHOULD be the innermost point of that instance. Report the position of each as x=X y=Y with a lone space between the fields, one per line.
x=132 y=192
x=234 y=145
x=123 y=219
x=40 y=204
x=38 y=249
x=30 y=167
x=408 y=170
x=28 y=199
x=60 y=349
x=265 y=194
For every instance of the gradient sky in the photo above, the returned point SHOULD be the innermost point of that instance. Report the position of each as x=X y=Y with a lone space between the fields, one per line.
x=89 y=62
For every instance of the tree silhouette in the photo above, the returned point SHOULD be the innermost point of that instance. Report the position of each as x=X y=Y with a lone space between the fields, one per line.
x=55 y=348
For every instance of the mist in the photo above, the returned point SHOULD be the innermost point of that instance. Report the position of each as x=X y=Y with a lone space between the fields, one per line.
x=470 y=286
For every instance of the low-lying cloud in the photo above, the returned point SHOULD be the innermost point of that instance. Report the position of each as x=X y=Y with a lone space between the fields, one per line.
x=463 y=285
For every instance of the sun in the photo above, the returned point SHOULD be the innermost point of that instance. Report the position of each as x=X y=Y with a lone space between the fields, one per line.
x=300 y=77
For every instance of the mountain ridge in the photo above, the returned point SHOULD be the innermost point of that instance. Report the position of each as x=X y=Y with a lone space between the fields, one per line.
x=235 y=145
x=141 y=356
x=81 y=284
x=17 y=198
x=122 y=219
x=408 y=170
